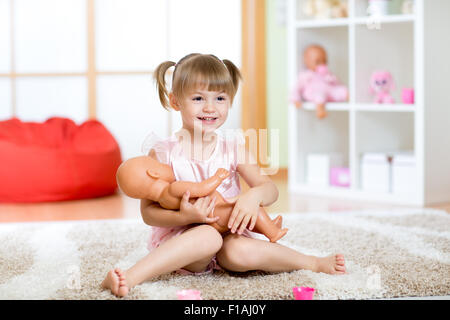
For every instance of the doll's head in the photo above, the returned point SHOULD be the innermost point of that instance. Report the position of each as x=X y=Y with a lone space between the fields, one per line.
x=136 y=177
x=381 y=81
x=203 y=89
x=314 y=56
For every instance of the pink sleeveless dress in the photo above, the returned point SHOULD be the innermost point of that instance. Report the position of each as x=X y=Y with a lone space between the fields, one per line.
x=169 y=151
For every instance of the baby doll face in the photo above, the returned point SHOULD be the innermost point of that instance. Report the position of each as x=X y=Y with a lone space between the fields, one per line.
x=314 y=56
x=136 y=177
x=202 y=109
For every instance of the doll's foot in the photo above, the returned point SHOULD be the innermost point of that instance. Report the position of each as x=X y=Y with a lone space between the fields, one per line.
x=280 y=234
x=321 y=111
x=278 y=221
x=116 y=282
x=333 y=264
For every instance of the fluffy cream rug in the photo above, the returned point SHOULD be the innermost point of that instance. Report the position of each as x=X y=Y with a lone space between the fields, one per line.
x=394 y=253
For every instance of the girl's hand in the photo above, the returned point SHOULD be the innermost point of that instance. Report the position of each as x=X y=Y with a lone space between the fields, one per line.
x=199 y=211
x=245 y=210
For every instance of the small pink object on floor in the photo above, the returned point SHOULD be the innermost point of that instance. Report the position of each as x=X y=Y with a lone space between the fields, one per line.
x=189 y=295
x=303 y=293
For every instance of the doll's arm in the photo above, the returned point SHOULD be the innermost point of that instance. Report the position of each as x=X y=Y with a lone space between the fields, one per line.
x=198 y=189
x=331 y=79
x=302 y=80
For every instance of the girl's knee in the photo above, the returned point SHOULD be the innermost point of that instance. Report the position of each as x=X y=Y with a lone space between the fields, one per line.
x=236 y=254
x=209 y=239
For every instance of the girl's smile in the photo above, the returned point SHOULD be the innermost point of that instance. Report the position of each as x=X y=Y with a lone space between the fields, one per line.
x=208 y=108
x=207 y=121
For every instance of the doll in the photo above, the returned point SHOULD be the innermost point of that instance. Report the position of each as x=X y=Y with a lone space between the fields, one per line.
x=317 y=84
x=145 y=178
x=381 y=84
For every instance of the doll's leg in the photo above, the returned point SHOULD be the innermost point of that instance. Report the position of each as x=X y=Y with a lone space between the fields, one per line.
x=321 y=111
x=270 y=228
x=319 y=98
x=240 y=253
x=318 y=94
x=191 y=250
x=338 y=94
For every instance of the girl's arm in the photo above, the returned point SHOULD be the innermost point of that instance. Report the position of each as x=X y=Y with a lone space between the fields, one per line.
x=154 y=215
x=262 y=192
x=197 y=211
x=261 y=185
x=198 y=189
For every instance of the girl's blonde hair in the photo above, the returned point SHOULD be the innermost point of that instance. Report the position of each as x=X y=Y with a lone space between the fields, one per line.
x=194 y=70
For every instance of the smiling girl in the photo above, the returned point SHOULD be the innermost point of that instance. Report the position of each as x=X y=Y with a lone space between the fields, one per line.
x=203 y=89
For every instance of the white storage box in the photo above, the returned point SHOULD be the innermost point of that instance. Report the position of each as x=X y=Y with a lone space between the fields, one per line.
x=375 y=172
x=318 y=167
x=404 y=174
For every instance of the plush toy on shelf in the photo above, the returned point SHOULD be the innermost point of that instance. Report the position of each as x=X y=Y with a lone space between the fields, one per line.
x=325 y=9
x=316 y=83
x=408 y=7
x=381 y=85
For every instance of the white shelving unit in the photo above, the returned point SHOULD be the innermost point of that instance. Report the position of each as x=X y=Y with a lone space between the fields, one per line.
x=416 y=50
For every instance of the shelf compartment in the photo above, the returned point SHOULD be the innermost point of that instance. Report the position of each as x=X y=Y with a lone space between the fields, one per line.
x=395 y=54
x=335 y=41
x=323 y=136
x=382 y=132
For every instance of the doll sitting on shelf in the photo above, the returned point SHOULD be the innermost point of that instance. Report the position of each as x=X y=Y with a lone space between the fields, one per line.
x=145 y=178
x=317 y=84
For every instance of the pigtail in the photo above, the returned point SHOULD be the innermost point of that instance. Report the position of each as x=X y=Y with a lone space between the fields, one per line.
x=159 y=76
x=234 y=72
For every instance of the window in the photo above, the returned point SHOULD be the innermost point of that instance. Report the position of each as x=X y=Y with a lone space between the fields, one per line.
x=94 y=59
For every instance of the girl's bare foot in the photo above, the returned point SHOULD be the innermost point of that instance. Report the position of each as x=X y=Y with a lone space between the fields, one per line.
x=334 y=264
x=123 y=287
x=116 y=282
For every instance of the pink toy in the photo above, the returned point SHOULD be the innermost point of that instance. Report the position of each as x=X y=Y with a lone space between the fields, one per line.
x=316 y=83
x=381 y=85
x=340 y=177
x=189 y=295
x=408 y=96
x=303 y=293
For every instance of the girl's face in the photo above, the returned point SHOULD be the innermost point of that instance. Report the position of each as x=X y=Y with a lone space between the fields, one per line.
x=203 y=110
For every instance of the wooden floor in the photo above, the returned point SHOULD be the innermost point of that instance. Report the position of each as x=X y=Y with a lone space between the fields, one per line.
x=119 y=206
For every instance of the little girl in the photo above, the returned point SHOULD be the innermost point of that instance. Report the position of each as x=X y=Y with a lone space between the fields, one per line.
x=203 y=89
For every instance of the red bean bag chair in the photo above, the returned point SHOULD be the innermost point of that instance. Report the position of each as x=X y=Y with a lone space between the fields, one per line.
x=56 y=160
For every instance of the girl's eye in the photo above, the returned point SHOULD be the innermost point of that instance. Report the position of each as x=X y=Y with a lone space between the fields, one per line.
x=197 y=99
x=221 y=98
